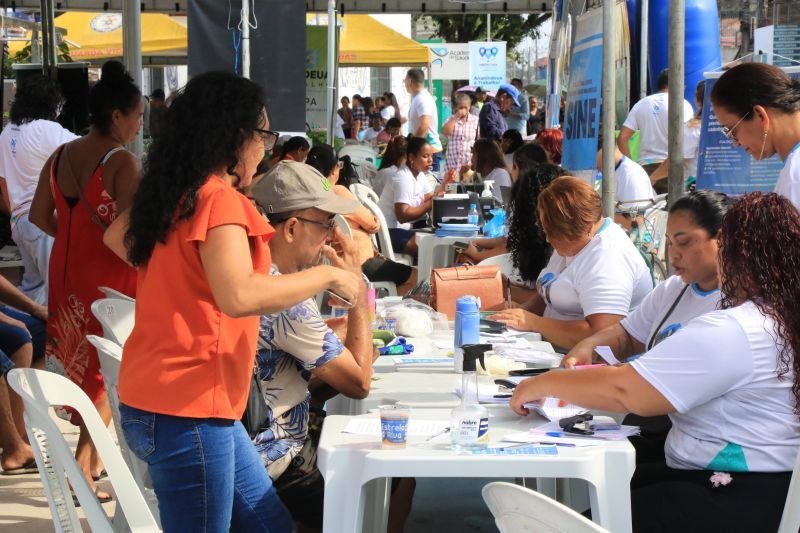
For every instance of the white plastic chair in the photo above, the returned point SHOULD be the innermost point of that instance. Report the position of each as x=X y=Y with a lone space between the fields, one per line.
x=113 y=293
x=384 y=239
x=42 y=390
x=790 y=521
x=517 y=509
x=364 y=157
x=110 y=356
x=506 y=267
x=364 y=191
x=116 y=316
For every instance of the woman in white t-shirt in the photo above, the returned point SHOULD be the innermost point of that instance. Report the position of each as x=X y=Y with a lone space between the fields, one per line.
x=409 y=196
x=488 y=161
x=758 y=107
x=692 y=232
x=394 y=158
x=728 y=380
x=595 y=276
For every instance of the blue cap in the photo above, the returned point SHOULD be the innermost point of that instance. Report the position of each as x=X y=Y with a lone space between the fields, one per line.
x=467 y=304
x=510 y=89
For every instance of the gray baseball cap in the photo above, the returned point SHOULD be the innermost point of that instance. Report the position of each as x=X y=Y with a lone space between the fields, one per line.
x=292 y=186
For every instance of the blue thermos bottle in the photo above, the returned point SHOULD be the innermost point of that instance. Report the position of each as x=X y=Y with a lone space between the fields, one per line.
x=467 y=328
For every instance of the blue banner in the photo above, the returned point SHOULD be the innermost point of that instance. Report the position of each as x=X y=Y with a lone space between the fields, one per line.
x=582 y=115
x=726 y=168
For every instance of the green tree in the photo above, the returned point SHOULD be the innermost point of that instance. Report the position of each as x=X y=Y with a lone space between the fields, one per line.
x=464 y=28
x=25 y=55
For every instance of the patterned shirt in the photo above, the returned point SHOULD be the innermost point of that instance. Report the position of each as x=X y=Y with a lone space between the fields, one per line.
x=360 y=114
x=291 y=344
x=459 y=144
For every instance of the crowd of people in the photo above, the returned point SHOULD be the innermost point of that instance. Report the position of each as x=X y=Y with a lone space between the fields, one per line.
x=220 y=237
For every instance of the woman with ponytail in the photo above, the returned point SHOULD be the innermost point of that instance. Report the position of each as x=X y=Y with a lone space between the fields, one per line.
x=758 y=107
x=82 y=187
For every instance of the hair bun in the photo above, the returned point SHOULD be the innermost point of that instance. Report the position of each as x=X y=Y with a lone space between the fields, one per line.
x=114 y=72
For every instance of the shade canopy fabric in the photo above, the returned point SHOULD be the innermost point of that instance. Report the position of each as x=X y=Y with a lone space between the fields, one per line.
x=365 y=42
x=99 y=35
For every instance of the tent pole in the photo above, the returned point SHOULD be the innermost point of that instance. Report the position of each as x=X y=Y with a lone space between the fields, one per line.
x=644 y=26
x=677 y=31
x=331 y=76
x=430 y=79
x=609 y=107
x=246 y=39
x=132 y=56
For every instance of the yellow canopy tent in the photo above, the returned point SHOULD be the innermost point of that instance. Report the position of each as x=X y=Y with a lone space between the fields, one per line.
x=365 y=42
x=99 y=35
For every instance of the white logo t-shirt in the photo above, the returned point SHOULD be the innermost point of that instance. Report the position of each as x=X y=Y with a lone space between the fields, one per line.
x=403 y=188
x=720 y=373
x=607 y=276
x=649 y=116
x=789 y=179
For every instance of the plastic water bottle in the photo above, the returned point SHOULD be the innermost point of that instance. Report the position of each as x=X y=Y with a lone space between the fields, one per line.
x=467 y=328
x=472 y=216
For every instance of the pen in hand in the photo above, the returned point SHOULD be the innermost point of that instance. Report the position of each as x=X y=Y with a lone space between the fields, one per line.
x=442 y=432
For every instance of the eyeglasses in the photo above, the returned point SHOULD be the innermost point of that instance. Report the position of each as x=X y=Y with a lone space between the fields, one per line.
x=729 y=132
x=327 y=225
x=269 y=137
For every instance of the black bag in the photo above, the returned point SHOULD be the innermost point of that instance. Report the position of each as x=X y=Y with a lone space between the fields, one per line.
x=255 y=416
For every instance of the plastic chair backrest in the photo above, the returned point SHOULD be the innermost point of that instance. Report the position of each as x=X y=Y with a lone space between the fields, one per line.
x=506 y=266
x=116 y=316
x=113 y=293
x=110 y=356
x=790 y=521
x=518 y=509
x=41 y=390
x=384 y=239
x=363 y=191
x=359 y=153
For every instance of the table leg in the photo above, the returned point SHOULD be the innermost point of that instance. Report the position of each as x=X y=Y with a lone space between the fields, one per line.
x=344 y=504
x=376 y=504
x=610 y=493
x=424 y=256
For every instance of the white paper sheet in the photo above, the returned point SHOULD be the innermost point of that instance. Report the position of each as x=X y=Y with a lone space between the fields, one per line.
x=416 y=427
x=552 y=409
x=607 y=355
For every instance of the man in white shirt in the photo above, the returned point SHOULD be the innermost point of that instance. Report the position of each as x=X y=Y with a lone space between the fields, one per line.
x=25 y=144
x=632 y=183
x=422 y=118
x=649 y=117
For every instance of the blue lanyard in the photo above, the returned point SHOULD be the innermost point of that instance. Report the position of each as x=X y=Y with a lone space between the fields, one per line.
x=623 y=160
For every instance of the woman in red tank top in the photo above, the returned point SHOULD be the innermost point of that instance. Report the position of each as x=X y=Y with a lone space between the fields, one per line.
x=82 y=188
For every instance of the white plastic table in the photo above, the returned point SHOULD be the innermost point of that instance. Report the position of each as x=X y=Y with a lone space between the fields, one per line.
x=432 y=252
x=348 y=462
x=409 y=388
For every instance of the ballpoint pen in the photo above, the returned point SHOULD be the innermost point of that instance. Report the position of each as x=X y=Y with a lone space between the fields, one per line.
x=524 y=444
x=568 y=435
x=442 y=432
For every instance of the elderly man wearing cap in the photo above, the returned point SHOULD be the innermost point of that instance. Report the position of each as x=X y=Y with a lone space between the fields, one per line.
x=298 y=352
x=492 y=121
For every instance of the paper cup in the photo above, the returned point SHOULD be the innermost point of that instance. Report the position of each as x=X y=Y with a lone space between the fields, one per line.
x=394 y=425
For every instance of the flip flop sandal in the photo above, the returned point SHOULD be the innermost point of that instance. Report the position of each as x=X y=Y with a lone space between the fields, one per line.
x=105 y=499
x=103 y=474
x=28 y=468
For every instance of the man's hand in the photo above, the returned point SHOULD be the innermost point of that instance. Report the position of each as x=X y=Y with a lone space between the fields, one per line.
x=40 y=312
x=338 y=325
x=347 y=257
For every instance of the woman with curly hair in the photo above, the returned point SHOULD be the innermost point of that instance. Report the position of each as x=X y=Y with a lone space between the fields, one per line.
x=729 y=381
x=203 y=258
x=81 y=189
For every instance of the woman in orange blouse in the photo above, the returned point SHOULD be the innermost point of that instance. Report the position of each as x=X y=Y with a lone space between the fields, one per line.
x=203 y=259
x=363 y=223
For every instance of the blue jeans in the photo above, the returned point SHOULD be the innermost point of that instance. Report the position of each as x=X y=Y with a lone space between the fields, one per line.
x=12 y=338
x=206 y=473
